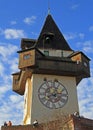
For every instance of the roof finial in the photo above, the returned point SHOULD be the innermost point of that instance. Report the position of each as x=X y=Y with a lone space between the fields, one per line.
x=48 y=6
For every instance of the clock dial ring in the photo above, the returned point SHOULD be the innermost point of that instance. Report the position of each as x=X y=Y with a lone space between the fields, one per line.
x=53 y=94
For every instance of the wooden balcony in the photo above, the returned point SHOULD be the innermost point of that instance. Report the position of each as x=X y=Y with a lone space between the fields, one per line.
x=34 y=61
x=63 y=68
x=51 y=66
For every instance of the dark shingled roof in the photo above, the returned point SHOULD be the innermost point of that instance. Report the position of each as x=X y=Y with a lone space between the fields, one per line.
x=27 y=43
x=51 y=37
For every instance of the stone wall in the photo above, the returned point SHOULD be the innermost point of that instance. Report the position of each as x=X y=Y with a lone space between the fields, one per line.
x=22 y=127
x=81 y=123
x=71 y=123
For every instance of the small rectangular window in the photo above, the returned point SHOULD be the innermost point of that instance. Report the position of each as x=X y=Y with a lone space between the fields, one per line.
x=27 y=56
x=46 y=53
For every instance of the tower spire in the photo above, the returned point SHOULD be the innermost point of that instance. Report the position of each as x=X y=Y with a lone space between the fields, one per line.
x=48 y=6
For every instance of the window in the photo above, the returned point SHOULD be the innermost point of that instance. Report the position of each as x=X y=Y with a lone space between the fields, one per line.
x=27 y=56
x=46 y=53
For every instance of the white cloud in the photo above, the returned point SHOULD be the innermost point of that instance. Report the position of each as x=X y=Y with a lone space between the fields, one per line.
x=8 y=57
x=86 y=46
x=7 y=50
x=1 y=69
x=8 y=64
x=13 y=22
x=12 y=110
x=91 y=28
x=10 y=102
x=3 y=89
x=85 y=94
x=30 y=20
x=71 y=36
x=13 y=33
x=75 y=6
x=34 y=34
x=15 y=98
x=14 y=65
x=81 y=35
x=88 y=49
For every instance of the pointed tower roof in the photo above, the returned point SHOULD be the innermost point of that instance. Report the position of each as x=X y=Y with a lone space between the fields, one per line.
x=51 y=37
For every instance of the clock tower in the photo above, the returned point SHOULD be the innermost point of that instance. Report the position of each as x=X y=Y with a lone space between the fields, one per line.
x=49 y=74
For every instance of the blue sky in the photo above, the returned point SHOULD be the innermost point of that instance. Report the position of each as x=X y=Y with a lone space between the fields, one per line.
x=25 y=18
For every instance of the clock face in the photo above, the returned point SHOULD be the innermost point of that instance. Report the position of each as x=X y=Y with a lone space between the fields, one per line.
x=53 y=94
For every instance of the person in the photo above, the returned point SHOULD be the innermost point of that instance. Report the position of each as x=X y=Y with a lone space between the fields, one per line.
x=76 y=114
x=5 y=123
x=9 y=123
x=35 y=123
